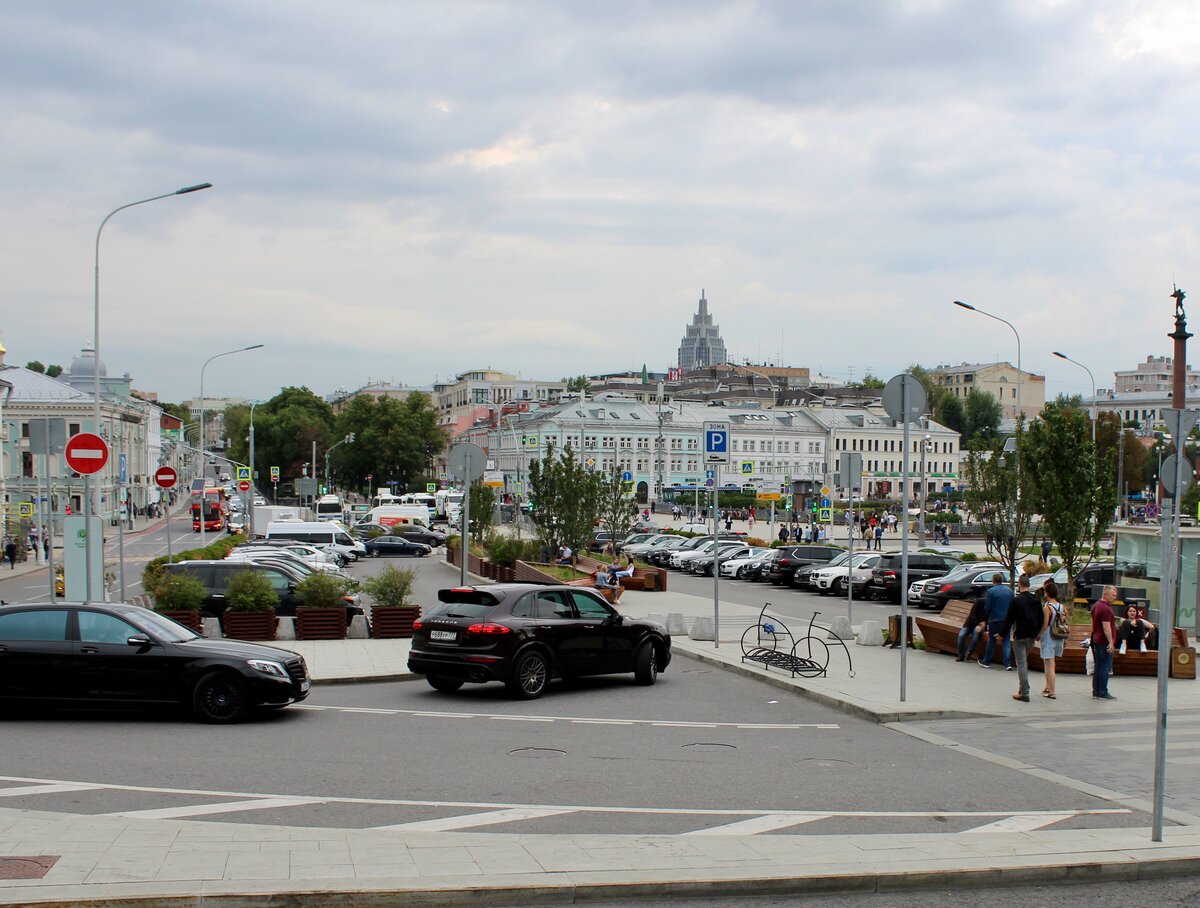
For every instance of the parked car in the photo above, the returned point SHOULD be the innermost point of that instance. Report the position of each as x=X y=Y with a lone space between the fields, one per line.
x=758 y=571
x=634 y=539
x=885 y=577
x=112 y=654
x=736 y=566
x=600 y=541
x=796 y=556
x=526 y=634
x=661 y=555
x=802 y=577
x=381 y=546
x=703 y=564
x=969 y=586
x=253 y=552
x=640 y=549
x=419 y=534
x=954 y=573
x=214 y=576
x=696 y=528
x=831 y=579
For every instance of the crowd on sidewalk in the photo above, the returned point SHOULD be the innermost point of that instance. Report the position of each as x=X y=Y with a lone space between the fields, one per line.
x=1014 y=623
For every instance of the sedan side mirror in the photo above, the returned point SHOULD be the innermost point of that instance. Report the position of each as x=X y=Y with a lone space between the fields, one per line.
x=140 y=640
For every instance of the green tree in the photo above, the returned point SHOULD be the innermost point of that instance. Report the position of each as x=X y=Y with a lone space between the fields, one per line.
x=1065 y=480
x=285 y=428
x=567 y=499
x=1071 y=401
x=870 y=382
x=577 y=384
x=394 y=441
x=618 y=509
x=36 y=366
x=483 y=509
x=949 y=412
x=1005 y=517
x=54 y=370
x=981 y=420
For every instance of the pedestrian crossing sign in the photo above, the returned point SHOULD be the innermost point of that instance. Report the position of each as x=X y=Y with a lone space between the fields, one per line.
x=826 y=515
x=747 y=467
x=243 y=474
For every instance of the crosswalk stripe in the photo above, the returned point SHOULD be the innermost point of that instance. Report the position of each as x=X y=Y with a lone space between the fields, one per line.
x=490 y=818
x=195 y=810
x=755 y=825
x=46 y=789
x=1023 y=822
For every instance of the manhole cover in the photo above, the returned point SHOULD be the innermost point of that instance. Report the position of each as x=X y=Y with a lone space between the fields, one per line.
x=823 y=762
x=705 y=746
x=26 y=868
x=537 y=753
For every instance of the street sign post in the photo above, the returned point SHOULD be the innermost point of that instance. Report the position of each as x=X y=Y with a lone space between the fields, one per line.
x=122 y=468
x=86 y=453
x=244 y=485
x=165 y=477
x=274 y=474
x=466 y=463
x=716 y=442
x=243 y=473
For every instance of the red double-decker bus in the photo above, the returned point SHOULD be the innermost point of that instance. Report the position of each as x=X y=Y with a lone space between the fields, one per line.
x=215 y=508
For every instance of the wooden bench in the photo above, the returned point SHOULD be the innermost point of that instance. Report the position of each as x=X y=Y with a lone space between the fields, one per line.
x=941 y=630
x=612 y=595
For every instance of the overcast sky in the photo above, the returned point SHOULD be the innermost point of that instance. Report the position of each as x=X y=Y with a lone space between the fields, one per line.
x=405 y=191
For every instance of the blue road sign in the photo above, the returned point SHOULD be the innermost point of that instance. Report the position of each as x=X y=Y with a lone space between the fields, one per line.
x=710 y=474
x=627 y=476
x=716 y=442
x=121 y=467
x=825 y=503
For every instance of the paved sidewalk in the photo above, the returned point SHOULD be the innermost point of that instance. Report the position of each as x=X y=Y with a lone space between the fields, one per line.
x=163 y=861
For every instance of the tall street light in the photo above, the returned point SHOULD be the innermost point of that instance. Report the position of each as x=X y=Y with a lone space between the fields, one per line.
x=1020 y=412
x=925 y=442
x=774 y=437
x=201 y=445
x=1092 y=408
x=89 y=541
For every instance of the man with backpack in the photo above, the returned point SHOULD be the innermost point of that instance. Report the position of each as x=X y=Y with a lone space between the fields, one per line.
x=1025 y=621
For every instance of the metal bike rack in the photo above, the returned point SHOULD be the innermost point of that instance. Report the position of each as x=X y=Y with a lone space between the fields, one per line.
x=773 y=644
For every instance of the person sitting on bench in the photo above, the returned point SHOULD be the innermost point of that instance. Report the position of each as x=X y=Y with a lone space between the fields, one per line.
x=1134 y=630
x=564 y=555
x=626 y=571
x=973 y=628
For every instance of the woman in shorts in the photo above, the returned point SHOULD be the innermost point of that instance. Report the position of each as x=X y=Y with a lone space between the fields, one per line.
x=1051 y=646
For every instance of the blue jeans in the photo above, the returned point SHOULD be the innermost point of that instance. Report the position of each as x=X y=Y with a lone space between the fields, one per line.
x=995 y=631
x=965 y=650
x=1104 y=661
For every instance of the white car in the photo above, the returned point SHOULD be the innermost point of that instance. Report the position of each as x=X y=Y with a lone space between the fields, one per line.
x=696 y=528
x=833 y=579
x=254 y=553
x=678 y=558
x=734 y=567
x=639 y=548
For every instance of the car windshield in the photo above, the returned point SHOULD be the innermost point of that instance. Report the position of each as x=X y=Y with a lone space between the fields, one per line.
x=860 y=560
x=161 y=627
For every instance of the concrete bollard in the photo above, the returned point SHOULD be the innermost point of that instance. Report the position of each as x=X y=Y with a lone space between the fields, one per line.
x=212 y=628
x=676 y=626
x=358 y=628
x=703 y=629
x=286 y=628
x=840 y=629
x=870 y=633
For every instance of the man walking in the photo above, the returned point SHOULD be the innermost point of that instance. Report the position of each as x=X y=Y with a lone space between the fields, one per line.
x=1103 y=642
x=995 y=603
x=1025 y=621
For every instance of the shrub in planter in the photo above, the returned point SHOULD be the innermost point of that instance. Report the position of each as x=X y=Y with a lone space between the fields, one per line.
x=322 y=614
x=179 y=597
x=392 y=615
x=250 y=607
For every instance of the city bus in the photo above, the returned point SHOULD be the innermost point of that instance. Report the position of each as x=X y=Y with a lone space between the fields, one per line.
x=215 y=507
x=329 y=507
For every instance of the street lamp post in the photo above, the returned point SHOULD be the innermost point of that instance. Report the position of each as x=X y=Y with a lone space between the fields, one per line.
x=201 y=445
x=921 y=518
x=349 y=439
x=774 y=436
x=1092 y=408
x=88 y=539
x=253 y=484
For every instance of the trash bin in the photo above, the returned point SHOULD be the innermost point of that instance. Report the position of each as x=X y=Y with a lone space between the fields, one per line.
x=650 y=582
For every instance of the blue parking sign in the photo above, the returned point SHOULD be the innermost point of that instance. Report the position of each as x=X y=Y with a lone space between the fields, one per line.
x=716 y=442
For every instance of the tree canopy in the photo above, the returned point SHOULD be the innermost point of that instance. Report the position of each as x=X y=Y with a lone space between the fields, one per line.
x=566 y=499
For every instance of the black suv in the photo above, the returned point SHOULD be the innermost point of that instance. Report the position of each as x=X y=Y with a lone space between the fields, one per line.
x=784 y=565
x=885 y=579
x=524 y=634
x=968 y=585
x=1091 y=580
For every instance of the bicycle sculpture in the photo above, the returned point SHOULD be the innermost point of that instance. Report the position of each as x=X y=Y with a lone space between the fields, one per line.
x=774 y=645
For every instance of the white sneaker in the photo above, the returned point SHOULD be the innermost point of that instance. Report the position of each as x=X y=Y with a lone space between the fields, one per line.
x=1121 y=651
x=1143 y=646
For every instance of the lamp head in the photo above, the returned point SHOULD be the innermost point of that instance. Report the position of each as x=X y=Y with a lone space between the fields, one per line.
x=1061 y=355
x=964 y=305
x=196 y=188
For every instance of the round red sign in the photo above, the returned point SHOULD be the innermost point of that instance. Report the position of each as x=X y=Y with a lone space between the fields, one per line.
x=166 y=477
x=244 y=485
x=86 y=453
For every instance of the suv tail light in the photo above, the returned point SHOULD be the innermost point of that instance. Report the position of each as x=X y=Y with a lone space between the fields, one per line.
x=889 y=573
x=945 y=587
x=418 y=624
x=486 y=629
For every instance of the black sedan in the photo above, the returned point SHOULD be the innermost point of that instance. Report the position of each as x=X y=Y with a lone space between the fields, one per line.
x=126 y=655
x=525 y=634
x=395 y=545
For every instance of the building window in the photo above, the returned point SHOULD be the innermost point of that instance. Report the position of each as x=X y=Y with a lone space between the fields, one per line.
x=676 y=444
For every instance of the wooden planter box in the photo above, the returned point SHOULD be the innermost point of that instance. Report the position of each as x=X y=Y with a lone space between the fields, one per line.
x=189 y=618
x=250 y=625
x=505 y=574
x=321 y=623
x=394 y=622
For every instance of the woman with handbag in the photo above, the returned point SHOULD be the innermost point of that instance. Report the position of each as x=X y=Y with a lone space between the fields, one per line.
x=1056 y=628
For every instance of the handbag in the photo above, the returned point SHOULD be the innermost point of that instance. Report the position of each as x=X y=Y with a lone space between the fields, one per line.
x=1060 y=627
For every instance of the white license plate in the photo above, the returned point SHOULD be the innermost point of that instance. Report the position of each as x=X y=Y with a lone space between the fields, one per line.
x=442 y=635
x=304 y=686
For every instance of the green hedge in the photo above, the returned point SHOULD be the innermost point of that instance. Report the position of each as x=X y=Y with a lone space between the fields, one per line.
x=156 y=569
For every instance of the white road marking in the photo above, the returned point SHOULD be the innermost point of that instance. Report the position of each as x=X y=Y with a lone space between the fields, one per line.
x=1023 y=822
x=246 y=800
x=196 y=810
x=53 y=788
x=467 y=821
x=575 y=720
x=1108 y=735
x=755 y=825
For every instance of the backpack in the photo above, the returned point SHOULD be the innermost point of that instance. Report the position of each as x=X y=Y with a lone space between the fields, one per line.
x=1060 y=625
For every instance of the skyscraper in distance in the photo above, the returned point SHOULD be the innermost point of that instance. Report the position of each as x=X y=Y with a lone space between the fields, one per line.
x=701 y=346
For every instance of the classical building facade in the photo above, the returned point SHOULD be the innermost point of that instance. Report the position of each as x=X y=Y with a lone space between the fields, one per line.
x=998 y=380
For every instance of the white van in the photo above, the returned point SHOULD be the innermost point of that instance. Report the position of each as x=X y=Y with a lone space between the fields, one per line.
x=390 y=515
x=332 y=536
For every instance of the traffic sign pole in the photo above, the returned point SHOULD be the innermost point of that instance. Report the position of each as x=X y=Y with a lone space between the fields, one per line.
x=716 y=562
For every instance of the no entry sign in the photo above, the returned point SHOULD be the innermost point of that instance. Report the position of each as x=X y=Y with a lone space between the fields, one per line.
x=244 y=485
x=166 y=477
x=86 y=453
